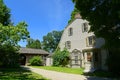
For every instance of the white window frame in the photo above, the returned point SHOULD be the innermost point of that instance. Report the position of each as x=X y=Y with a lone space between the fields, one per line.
x=90 y=41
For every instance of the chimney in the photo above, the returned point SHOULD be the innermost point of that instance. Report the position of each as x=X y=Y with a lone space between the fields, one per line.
x=77 y=15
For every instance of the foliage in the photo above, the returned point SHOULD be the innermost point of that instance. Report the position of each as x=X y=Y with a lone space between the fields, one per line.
x=10 y=35
x=4 y=14
x=8 y=56
x=61 y=58
x=75 y=11
x=51 y=40
x=104 y=18
x=13 y=34
x=36 y=61
x=62 y=69
x=19 y=74
x=112 y=61
x=33 y=44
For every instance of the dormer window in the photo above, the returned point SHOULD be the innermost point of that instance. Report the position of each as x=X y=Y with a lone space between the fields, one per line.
x=70 y=31
x=85 y=27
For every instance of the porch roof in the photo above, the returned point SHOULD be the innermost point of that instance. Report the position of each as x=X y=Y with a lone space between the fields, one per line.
x=33 y=51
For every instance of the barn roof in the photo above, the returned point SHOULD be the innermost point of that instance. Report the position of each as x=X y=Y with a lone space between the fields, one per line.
x=32 y=51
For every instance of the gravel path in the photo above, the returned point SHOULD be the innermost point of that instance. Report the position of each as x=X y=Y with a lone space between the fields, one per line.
x=53 y=75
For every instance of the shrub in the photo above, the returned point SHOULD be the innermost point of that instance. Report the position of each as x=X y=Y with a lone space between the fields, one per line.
x=61 y=58
x=36 y=61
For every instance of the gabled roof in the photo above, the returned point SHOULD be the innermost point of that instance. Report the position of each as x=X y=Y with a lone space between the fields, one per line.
x=32 y=51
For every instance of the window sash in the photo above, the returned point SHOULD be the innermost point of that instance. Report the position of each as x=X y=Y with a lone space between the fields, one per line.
x=70 y=31
x=90 y=41
x=84 y=27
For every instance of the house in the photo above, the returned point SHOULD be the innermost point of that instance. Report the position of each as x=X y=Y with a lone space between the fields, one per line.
x=85 y=49
x=27 y=53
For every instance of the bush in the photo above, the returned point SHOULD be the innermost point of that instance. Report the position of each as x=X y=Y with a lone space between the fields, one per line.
x=61 y=58
x=36 y=61
x=9 y=57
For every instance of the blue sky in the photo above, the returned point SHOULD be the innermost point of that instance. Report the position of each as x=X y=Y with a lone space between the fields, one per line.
x=42 y=16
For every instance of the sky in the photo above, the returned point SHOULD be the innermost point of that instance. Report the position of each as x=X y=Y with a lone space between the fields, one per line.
x=42 y=16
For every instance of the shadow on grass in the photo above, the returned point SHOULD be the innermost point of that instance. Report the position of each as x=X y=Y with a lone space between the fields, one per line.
x=18 y=74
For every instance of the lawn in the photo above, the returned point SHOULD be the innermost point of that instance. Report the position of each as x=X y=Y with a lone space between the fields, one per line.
x=76 y=71
x=62 y=69
x=18 y=74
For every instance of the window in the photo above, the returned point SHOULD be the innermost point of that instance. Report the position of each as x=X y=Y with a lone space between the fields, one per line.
x=90 y=41
x=76 y=59
x=85 y=27
x=89 y=57
x=70 y=32
x=68 y=44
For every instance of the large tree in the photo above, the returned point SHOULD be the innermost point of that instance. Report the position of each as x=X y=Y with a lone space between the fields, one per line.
x=104 y=18
x=31 y=43
x=51 y=40
x=10 y=35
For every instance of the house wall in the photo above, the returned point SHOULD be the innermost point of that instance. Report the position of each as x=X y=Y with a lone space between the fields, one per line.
x=78 y=40
x=49 y=61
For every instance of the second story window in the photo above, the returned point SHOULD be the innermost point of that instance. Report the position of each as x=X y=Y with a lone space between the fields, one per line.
x=90 y=41
x=68 y=44
x=84 y=27
x=70 y=31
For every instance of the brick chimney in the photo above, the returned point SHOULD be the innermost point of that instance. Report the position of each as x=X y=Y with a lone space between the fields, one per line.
x=77 y=15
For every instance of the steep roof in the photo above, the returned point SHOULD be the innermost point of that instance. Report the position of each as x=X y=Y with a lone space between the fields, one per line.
x=32 y=51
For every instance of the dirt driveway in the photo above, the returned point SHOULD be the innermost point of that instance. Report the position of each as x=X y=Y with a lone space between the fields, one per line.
x=53 y=75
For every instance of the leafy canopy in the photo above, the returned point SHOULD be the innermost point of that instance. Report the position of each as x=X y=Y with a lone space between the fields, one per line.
x=4 y=14
x=10 y=35
x=51 y=40
x=33 y=44
x=13 y=34
x=104 y=18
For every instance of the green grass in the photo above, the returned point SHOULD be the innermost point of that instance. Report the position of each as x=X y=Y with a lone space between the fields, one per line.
x=76 y=71
x=62 y=69
x=18 y=74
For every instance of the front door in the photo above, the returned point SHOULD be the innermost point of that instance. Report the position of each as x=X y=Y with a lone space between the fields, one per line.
x=88 y=57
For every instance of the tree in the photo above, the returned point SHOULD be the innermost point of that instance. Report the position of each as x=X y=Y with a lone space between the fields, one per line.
x=33 y=44
x=51 y=40
x=4 y=14
x=10 y=35
x=75 y=11
x=13 y=34
x=104 y=18
x=61 y=58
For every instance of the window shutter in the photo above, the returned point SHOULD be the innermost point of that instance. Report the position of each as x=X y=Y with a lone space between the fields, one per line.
x=87 y=42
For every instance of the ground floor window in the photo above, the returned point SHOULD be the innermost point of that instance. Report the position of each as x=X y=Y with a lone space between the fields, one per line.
x=76 y=59
x=89 y=57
